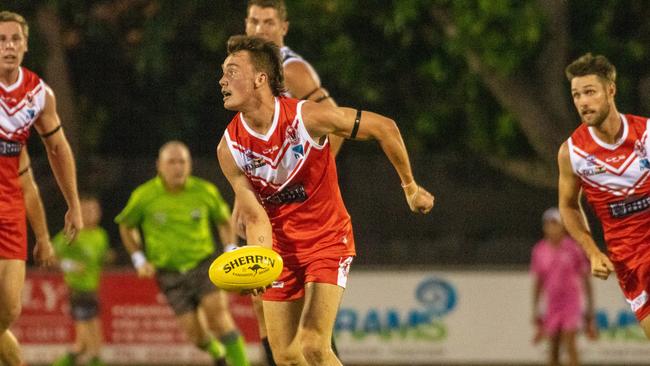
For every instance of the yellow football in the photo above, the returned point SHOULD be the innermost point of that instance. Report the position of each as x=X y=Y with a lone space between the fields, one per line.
x=245 y=268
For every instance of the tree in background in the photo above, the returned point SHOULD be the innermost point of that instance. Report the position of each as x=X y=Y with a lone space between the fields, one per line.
x=480 y=79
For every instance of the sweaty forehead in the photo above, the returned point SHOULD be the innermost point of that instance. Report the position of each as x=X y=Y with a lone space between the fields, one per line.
x=580 y=82
x=10 y=27
x=238 y=59
x=259 y=13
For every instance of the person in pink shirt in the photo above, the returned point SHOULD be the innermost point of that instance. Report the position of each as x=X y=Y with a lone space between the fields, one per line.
x=562 y=274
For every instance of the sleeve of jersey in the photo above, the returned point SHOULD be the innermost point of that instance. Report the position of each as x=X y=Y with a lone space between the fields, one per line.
x=219 y=209
x=131 y=215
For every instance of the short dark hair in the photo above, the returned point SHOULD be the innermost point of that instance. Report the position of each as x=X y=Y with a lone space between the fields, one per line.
x=278 y=5
x=589 y=64
x=265 y=56
x=8 y=16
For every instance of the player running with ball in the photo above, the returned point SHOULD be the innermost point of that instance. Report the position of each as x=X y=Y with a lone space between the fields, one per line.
x=275 y=154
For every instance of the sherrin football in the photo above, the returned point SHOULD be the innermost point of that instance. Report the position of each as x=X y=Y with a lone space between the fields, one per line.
x=245 y=268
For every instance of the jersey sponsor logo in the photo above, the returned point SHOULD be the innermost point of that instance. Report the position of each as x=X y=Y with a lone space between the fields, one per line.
x=295 y=193
x=593 y=168
x=271 y=150
x=9 y=148
x=252 y=162
x=615 y=159
x=631 y=205
x=298 y=151
x=642 y=153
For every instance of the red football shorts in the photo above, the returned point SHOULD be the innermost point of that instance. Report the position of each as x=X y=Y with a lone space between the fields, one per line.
x=635 y=284
x=13 y=238
x=291 y=283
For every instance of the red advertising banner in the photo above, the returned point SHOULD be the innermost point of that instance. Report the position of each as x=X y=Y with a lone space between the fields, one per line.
x=138 y=324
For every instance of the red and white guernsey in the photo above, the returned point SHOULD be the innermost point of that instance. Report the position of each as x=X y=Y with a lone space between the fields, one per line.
x=616 y=182
x=296 y=181
x=20 y=105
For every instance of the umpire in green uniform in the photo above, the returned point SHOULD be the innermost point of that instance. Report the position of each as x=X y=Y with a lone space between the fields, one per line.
x=174 y=212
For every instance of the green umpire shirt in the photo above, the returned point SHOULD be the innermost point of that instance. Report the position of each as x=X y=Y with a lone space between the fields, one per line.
x=176 y=226
x=86 y=253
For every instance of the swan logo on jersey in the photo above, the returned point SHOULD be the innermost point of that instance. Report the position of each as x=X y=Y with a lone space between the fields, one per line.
x=642 y=153
x=292 y=136
x=593 y=168
x=253 y=162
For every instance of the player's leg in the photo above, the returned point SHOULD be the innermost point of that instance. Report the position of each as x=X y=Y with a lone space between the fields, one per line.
x=181 y=294
x=12 y=279
x=283 y=320
x=568 y=339
x=94 y=342
x=316 y=325
x=554 y=349
x=214 y=306
x=197 y=334
x=261 y=326
x=645 y=325
x=9 y=349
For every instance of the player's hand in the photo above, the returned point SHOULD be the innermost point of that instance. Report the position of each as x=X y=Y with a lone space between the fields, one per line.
x=418 y=198
x=44 y=253
x=601 y=266
x=146 y=270
x=255 y=292
x=73 y=223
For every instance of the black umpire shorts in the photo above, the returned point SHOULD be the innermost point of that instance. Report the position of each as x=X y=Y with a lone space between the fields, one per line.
x=184 y=291
x=84 y=306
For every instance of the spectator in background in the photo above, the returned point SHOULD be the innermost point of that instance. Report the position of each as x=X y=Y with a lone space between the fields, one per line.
x=82 y=264
x=561 y=274
x=175 y=213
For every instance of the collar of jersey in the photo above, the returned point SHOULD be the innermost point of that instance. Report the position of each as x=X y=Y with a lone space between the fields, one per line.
x=267 y=136
x=618 y=143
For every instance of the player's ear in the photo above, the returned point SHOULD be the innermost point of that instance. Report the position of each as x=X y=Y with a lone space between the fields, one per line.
x=261 y=79
x=285 y=28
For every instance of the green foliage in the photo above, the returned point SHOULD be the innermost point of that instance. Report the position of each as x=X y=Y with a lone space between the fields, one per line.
x=147 y=71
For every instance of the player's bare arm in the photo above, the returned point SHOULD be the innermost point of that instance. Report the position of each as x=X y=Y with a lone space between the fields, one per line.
x=303 y=82
x=132 y=241
x=574 y=218
x=227 y=234
x=321 y=120
x=253 y=216
x=43 y=250
x=48 y=125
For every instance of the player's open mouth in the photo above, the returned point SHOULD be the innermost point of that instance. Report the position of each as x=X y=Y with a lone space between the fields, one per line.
x=226 y=94
x=9 y=58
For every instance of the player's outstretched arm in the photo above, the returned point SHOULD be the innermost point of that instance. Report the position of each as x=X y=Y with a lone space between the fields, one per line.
x=253 y=216
x=62 y=162
x=321 y=120
x=43 y=250
x=574 y=218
